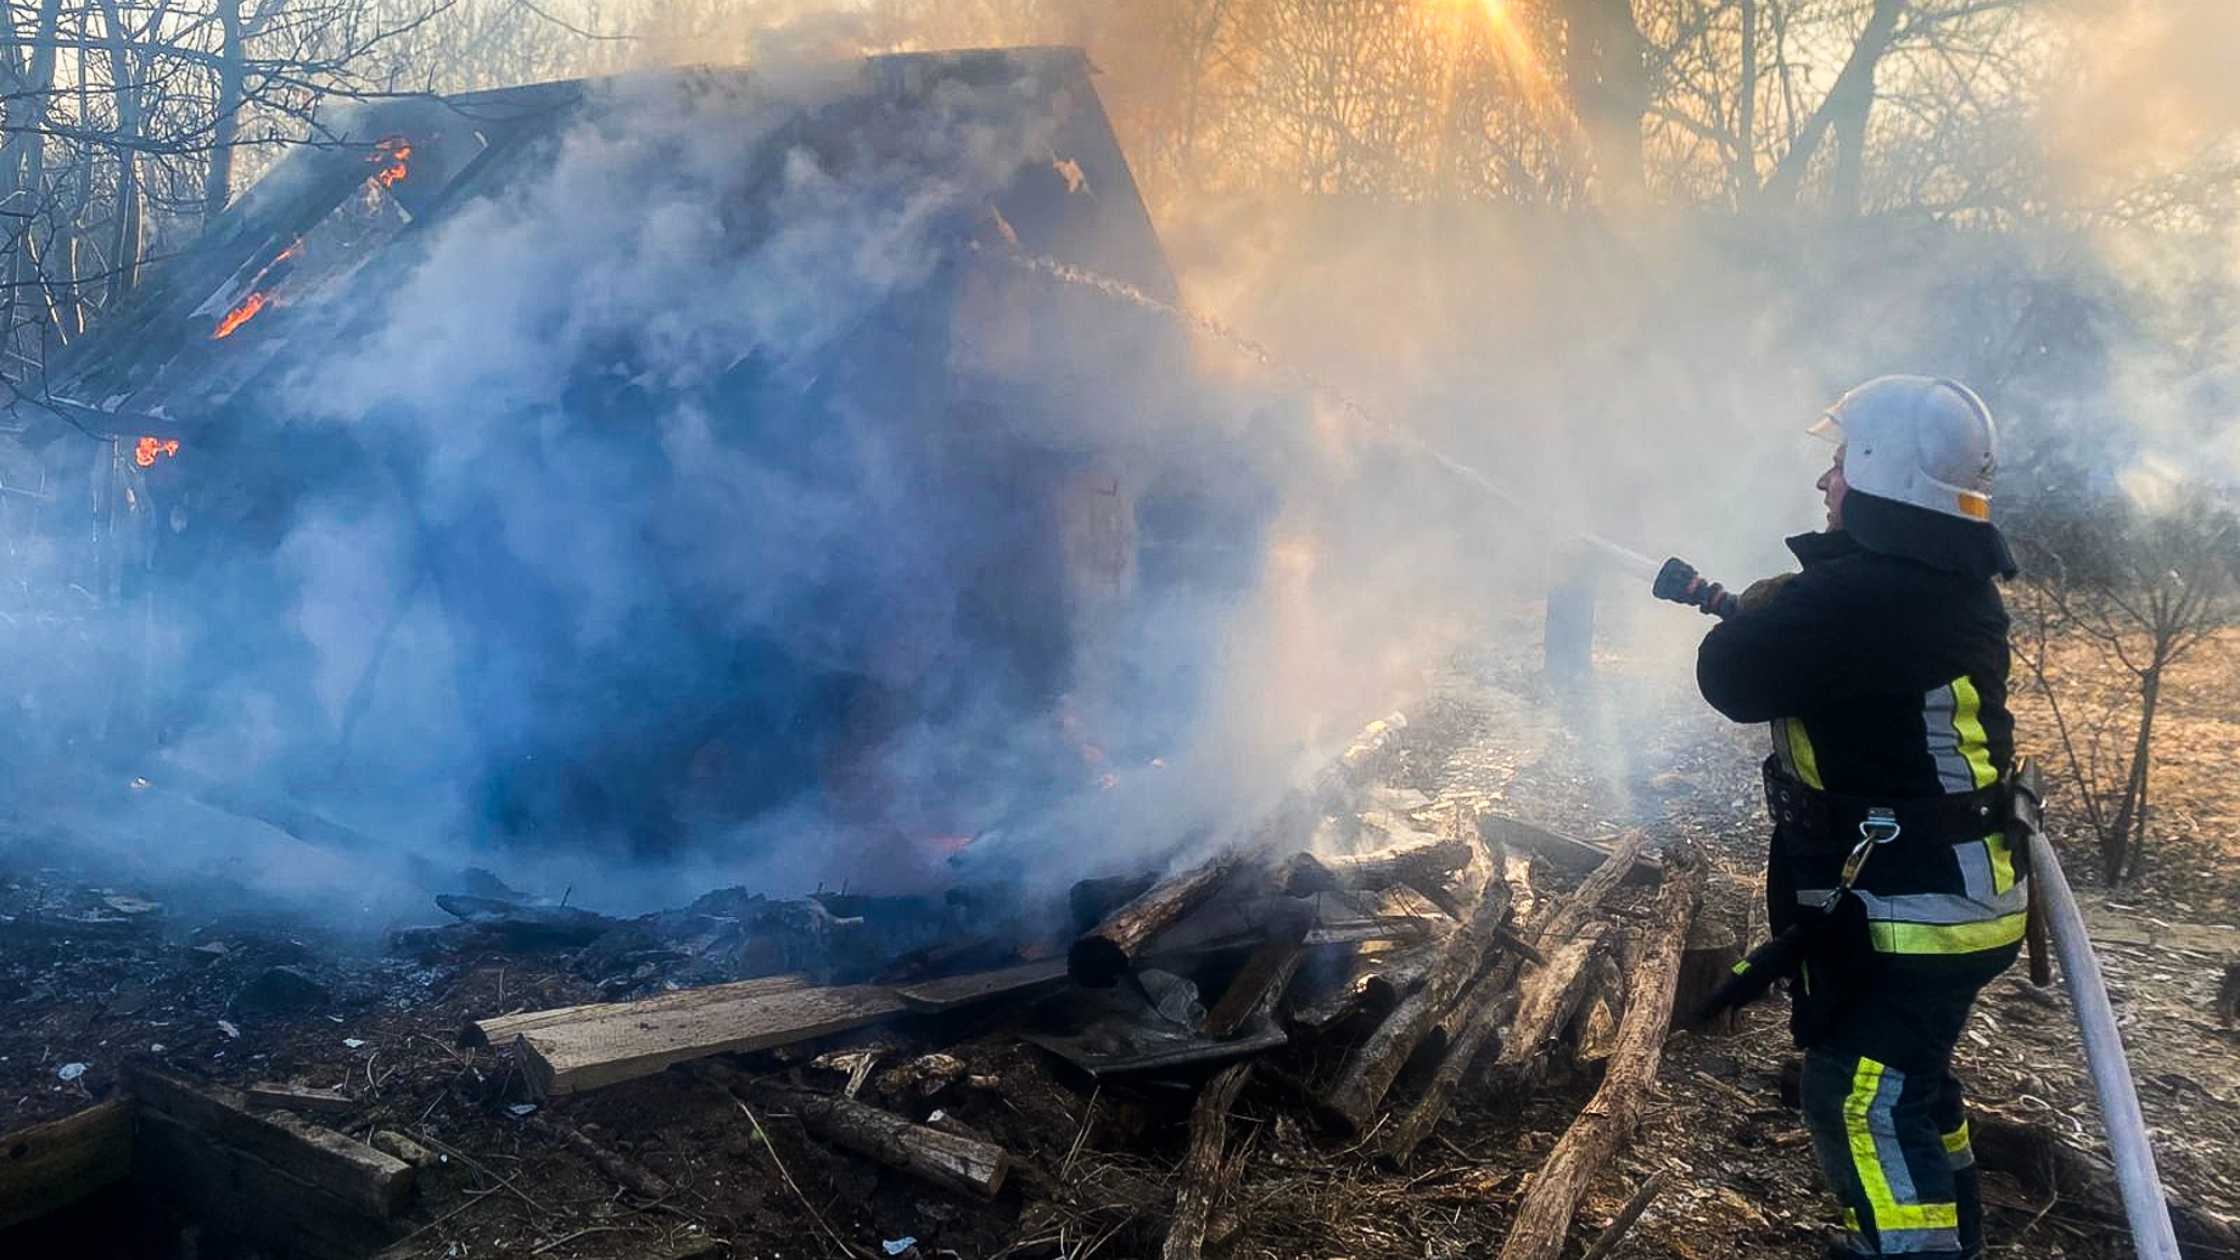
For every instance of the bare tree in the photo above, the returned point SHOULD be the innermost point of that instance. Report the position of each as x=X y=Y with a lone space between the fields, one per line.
x=2143 y=590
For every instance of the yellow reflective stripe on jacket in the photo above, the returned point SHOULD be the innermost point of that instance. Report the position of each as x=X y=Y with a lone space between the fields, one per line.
x=2002 y=861
x=1957 y=1140
x=1861 y=1110
x=1802 y=761
x=1967 y=723
x=1897 y=937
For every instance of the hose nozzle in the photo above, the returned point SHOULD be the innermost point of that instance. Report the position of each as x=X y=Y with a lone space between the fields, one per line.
x=1679 y=582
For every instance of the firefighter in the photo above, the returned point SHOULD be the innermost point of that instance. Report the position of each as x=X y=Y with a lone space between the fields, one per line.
x=1882 y=669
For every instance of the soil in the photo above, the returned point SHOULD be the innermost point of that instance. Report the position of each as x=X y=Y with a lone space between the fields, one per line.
x=159 y=983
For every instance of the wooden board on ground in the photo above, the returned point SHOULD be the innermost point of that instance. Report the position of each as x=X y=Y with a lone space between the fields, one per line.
x=358 y=1177
x=241 y=1193
x=632 y=1039
x=1565 y=853
x=932 y=997
x=2108 y=927
x=500 y=1030
x=50 y=1166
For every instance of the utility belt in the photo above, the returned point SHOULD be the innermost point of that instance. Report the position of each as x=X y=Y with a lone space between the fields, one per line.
x=1818 y=821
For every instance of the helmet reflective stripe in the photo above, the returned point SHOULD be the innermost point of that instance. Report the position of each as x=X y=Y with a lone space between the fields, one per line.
x=1918 y=440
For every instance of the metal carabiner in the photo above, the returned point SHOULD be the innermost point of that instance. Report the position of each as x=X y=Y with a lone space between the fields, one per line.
x=1879 y=828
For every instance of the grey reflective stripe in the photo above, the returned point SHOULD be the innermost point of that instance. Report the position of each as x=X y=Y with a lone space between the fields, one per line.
x=1975 y=870
x=1939 y=705
x=1939 y=909
x=1882 y=1123
x=1908 y=1242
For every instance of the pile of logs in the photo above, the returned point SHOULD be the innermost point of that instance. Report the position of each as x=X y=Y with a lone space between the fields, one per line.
x=1425 y=952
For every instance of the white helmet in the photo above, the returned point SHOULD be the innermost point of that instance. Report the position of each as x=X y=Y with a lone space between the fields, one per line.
x=1919 y=456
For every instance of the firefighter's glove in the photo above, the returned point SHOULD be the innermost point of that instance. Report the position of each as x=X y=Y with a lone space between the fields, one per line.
x=1761 y=592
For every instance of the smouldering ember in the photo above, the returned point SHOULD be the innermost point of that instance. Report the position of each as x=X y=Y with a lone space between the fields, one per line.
x=394 y=157
x=150 y=449
x=258 y=297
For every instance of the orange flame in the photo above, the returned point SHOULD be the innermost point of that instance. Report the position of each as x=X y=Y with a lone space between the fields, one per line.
x=148 y=450
x=242 y=314
x=394 y=157
x=258 y=298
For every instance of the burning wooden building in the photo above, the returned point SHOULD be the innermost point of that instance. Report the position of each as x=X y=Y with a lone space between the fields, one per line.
x=964 y=476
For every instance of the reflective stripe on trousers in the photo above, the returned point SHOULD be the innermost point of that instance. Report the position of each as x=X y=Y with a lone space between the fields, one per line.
x=1894 y=1149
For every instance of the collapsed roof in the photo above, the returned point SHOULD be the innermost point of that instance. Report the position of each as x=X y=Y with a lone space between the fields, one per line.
x=215 y=324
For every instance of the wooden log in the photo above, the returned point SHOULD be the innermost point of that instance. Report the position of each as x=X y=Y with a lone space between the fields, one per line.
x=624 y=1172
x=1713 y=950
x=627 y=1040
x=1548 y=994
x=1539 y=1007
x=1577 y=857
x=1635 y=1206
x=1417 y=861
x=1402 y=975
x=1098 y=896
x=1256 y=987
x=500 y=1030
x=1106 y=952
x=1544 y=1216
x=1594 y=1031
x=2083 y=1183
x=1546 y=997
x=299 y=1098
x=1201 y=1183
x=945 y=1159
x=1376 y=1062
x=48 y=1167
x=356 y=1175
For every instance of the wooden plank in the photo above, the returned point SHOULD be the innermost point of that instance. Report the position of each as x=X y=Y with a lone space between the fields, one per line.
x=50 y=1166
x=352 y=1173
x=1563 y=852
x=299 y=1098
x=628 y=1040
x=500 y=1030
x=241 y=1193
x=931 y=997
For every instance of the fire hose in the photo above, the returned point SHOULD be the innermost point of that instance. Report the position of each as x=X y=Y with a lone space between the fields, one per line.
x=2144 y=1204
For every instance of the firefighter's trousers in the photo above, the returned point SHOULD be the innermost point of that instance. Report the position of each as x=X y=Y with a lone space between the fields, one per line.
x=1894 y=1148
x=1886 y=1114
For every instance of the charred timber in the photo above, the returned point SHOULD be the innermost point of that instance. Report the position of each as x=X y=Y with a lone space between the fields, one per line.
x=1376 y=1063
x=1539 y=1004
x=1544 y=1217
x=1202 y=1181
x=1105 y=953
x=966 y=1164
x=1418 y=862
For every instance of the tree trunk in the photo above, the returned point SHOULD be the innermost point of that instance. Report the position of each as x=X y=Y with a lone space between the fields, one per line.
x=1745 y=162
x=124 y=258
x=2127 y=836
x=1609 y=80
x=233 y=74
x=25 y=158
x=1852 y=95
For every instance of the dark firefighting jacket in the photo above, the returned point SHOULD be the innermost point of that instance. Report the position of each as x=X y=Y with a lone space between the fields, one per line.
x=1884 y=682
